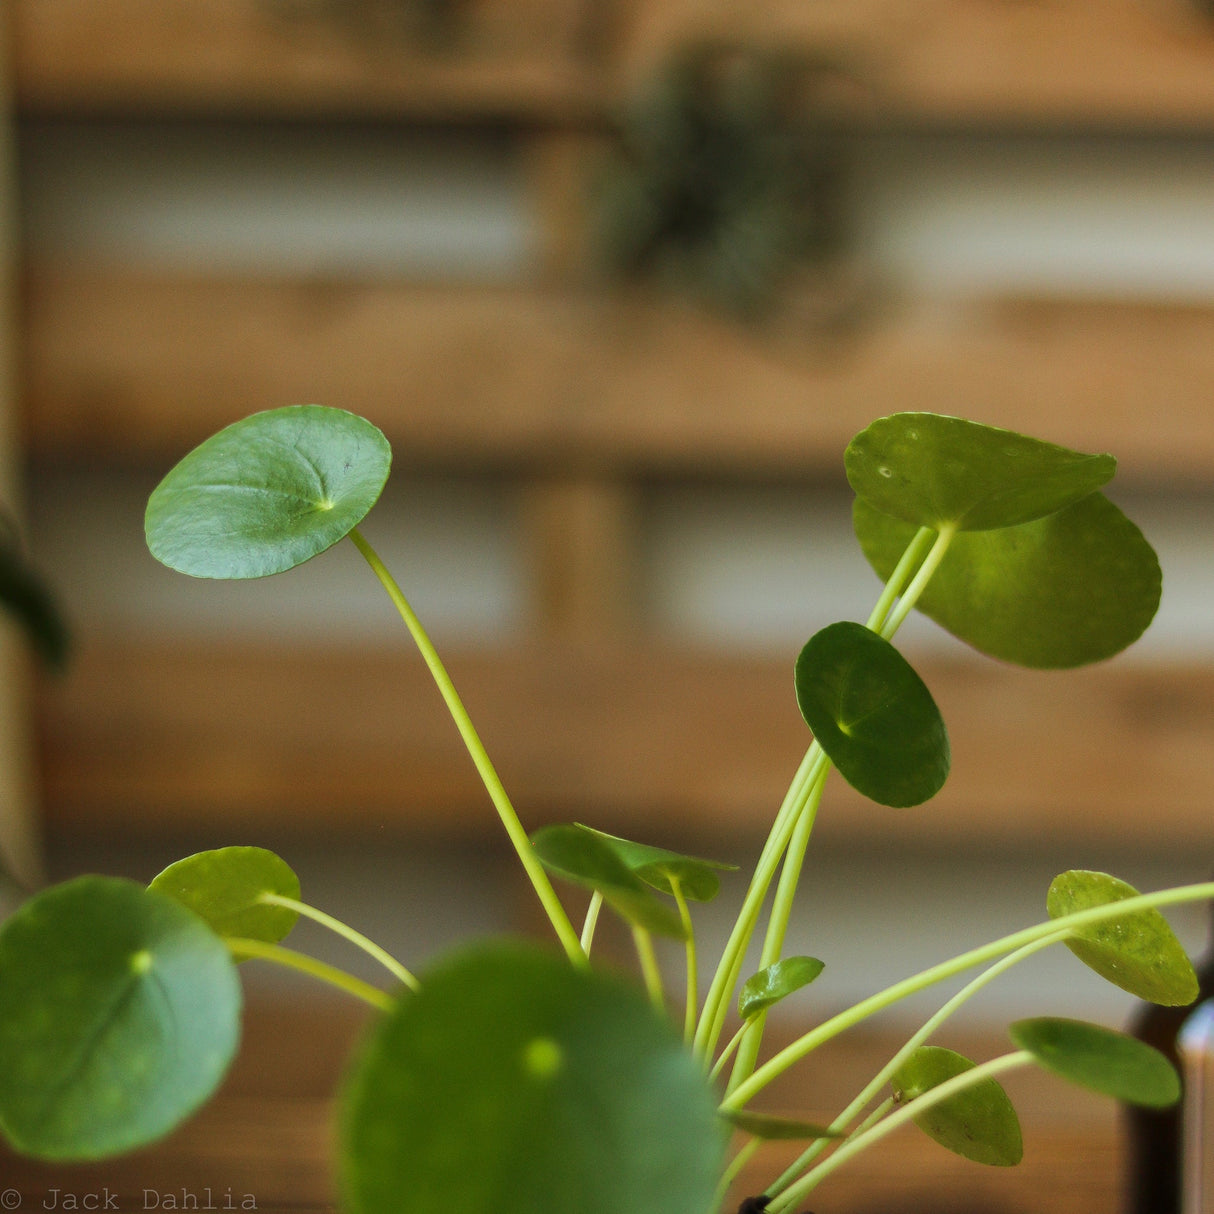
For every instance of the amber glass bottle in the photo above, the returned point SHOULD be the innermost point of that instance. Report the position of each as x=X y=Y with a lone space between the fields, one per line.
x=1153 y=1138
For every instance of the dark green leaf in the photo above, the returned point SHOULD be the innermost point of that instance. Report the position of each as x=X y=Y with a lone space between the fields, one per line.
x=872 y=715
x=1075 y=587
x=224 y=887
x=1100 y=1059
x=586 y=858
x=978 y=1122
x=26 y=597
x=119 y=1014
x=1138 y=952
x=514 y=1083
x=760 y=1125
x=697 y=878
x=935 y=471
x=267 y=493
x=774 y=982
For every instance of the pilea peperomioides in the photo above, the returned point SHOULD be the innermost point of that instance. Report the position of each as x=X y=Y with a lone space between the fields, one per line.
x=510 y=1078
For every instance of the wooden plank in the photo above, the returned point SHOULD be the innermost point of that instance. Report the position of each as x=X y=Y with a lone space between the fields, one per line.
x=152 y=737
x=1068 y=61
x=514 y=60
x=1064 y=62
x=137 y=365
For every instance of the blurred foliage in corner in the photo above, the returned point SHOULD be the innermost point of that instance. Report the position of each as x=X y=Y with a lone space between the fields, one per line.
x=25 y=596
x=428 y=24
x=729 y=178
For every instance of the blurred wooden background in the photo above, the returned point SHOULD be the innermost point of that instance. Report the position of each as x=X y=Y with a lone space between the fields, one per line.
x=580 y=404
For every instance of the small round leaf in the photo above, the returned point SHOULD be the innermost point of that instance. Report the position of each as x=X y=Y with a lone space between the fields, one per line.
x=978 y=1122
x=656 y=866
x=584 y=857
x=1138 y=952
x=224 y=887
x=1100 y=1059
x=267 y=493
x=512 y=1083
x=1075 y=587
x=119 y=1014
x=872 y=715
x=774 y=982
x=935 y=471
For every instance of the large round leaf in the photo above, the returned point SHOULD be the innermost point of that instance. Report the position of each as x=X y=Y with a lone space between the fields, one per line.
x=1100 y=1059
x=935 y=471
x=588 y=859
x=1138 y=952
x=872 y=715
x=224 y=887
x=698 y=880
x=514 y=1083
x=267 y=493
x=1075 y=587
x=978 y=1122
x=119 y=1014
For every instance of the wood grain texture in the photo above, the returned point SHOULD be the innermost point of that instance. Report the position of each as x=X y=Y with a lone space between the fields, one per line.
x=135 y=365
x=156 y=738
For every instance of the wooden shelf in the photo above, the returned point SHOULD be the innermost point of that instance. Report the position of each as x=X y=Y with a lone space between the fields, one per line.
x=1138 y=62
x=122 y=365
x=161 y=738
x=521 y=61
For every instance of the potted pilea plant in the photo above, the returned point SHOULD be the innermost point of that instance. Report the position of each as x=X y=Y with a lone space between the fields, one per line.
x=514 y=1077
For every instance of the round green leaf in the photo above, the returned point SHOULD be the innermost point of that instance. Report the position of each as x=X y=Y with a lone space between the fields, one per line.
x=1100 y=1059
x=774 y=982
x=586 y=858
x=267 y=493
x=935 y=471
x=514 y=1083
x=1138 y=952
x=1072 y=588
x=224 y=887
x=978 y=1122
x=872 y=715
x=656 y=866
x=119 y=1014
x=772 y=1129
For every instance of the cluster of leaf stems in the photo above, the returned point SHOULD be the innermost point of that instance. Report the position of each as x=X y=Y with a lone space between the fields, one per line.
x=863 y=1122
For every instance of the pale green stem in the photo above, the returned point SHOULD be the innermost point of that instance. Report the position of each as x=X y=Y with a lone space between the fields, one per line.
x=263 y=951
x=1060 y=927
x=369 y=947
x=777 y=923
x=497 y=793
x=901 y=609
x=649 y=966
x=731 y=1173
x=689 y=948
x=897 y=580
x=913 y=1108
x=591 y=921
x=929 y=1027
x=733 y=1044
x=716 y=1002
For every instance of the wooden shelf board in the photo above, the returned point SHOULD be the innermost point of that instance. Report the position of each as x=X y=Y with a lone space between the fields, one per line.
x=1101 y=62
x=126 y=365
x=520 y=62
x=155 y=738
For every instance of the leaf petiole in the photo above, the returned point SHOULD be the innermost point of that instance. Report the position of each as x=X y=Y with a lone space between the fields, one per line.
x=241 y=947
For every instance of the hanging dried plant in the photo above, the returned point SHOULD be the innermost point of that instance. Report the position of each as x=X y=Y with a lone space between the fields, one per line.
x=729 y=176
